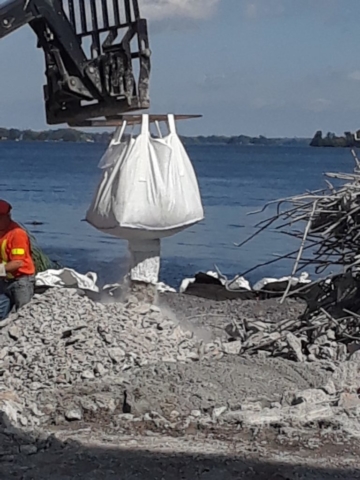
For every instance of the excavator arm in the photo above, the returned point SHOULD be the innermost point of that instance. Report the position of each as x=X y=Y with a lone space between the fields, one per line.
x=91 y=48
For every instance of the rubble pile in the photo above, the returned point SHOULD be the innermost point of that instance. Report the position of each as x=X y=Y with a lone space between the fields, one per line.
x=326 y=222
x=289 y=330
x=322 y=338
x=62 y=339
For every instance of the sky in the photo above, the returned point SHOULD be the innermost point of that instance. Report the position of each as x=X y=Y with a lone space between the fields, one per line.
x=254 y=67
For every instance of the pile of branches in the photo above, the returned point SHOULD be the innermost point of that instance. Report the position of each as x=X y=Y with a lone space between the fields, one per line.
x=327 y=225
x=326 y=222
x=332 y=222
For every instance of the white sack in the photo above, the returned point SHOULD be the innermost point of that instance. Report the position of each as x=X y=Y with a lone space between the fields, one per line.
x=149 y=191
x=67 y=278
x=238 y=283
x=188 y=281
x=303 y=279
x=115 y=149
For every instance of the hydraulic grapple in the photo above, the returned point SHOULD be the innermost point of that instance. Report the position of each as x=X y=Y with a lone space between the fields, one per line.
x=97 y=55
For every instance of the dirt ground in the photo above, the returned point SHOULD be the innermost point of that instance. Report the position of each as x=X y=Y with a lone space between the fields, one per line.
x=208 y=318
x=92 y=453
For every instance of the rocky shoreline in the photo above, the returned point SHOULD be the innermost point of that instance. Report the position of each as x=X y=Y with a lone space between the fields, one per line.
x=170 y=371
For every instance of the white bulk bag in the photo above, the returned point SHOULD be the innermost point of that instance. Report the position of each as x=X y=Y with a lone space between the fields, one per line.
x=115 y=148
x=148 y=188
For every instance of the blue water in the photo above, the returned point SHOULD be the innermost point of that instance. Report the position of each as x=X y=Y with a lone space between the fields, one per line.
x=53 y=183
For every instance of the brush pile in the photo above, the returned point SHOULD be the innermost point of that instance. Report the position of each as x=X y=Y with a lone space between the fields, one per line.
x=327 y=224
x=332 y=223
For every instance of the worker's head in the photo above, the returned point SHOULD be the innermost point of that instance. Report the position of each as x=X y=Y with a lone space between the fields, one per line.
x=5 y=214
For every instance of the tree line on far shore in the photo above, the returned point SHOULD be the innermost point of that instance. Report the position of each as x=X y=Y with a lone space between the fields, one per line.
x=331 y=140
x=59 y=135
x=73 y=135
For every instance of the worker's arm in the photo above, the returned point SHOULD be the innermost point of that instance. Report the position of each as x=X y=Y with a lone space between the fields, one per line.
x=14 y=265
x=10 y=267
x=19 y=249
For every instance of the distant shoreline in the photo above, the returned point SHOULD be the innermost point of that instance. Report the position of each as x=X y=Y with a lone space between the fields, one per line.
x=70 y=135
x=348 y=140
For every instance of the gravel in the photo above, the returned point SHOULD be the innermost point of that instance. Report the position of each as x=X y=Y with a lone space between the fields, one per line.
x=67 y=356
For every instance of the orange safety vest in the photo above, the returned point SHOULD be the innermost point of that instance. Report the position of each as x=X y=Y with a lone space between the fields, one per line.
x=15 y=245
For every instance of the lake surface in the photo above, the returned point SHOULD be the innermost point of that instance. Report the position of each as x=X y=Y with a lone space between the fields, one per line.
x=54 y=183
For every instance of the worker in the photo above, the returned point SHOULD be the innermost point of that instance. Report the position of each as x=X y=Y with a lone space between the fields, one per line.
x=17 y=270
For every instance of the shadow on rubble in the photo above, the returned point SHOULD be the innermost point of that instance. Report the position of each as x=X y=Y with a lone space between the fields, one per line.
x=28 y=456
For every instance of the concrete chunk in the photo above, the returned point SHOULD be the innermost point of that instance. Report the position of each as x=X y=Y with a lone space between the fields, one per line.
x=295 y=346
x=232 y=348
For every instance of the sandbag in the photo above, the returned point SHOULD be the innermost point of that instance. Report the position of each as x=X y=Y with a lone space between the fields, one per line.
x=148 y=188
x=67 y=278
